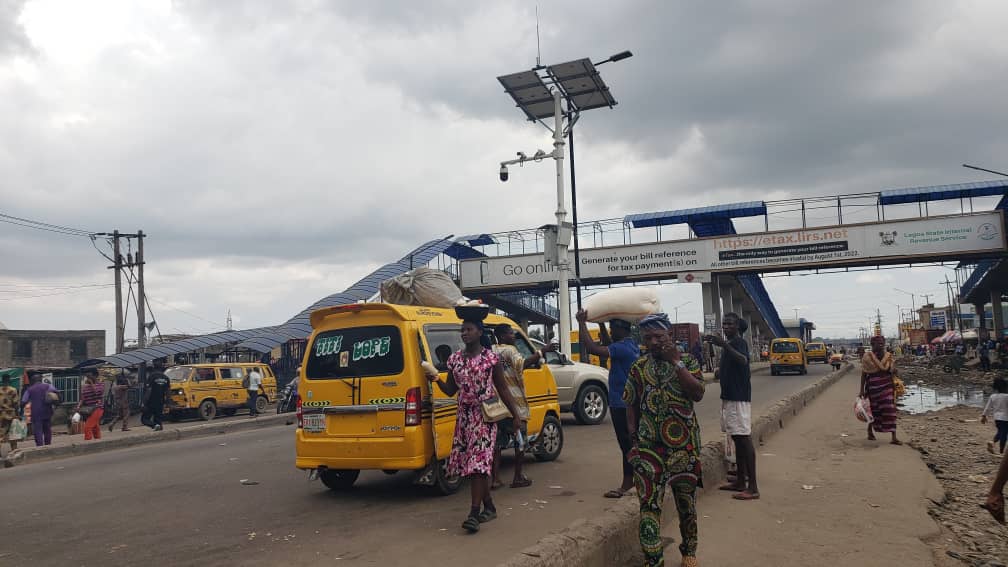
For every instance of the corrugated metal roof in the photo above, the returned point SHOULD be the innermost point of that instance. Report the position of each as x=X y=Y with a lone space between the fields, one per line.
x=153 y=352
x=734 y=210
x=477 y=239
x=943 y=192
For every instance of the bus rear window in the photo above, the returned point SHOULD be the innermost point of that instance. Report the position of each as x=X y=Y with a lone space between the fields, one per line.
x=355 y=352
x=785 y=347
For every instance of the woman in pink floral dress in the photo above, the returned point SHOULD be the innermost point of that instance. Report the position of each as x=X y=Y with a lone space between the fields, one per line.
x=476 y=374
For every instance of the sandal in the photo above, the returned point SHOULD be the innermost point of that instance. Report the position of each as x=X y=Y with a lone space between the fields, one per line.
x=521 y=483
x=471 y=524
x=616 y=493
x=746 y=495
x=730 y=487
x=486 y=515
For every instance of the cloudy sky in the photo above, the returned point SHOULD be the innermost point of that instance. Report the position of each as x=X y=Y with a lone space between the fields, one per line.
x=275 y=152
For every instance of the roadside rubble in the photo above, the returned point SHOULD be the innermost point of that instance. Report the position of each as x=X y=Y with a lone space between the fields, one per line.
x=952 y=443
x=915 y=370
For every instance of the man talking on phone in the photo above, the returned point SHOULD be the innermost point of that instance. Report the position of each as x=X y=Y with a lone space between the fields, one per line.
x=736 y=404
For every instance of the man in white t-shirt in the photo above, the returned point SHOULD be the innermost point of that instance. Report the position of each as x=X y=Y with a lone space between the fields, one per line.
x=254 y=382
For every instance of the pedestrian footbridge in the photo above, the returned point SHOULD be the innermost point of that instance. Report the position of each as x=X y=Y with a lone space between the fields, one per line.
x=724 y=248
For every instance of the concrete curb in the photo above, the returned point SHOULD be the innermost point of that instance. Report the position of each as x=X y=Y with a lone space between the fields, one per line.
x=76 y=449
x=611 y=538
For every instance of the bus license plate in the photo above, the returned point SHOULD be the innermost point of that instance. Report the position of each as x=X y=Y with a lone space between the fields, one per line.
x=314 y=423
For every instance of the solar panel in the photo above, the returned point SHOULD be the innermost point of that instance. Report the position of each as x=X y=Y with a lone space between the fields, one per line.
x=581 y=85
x=529 y=93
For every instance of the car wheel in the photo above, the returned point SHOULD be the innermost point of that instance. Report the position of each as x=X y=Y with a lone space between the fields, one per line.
x=261 y=402
x=443 y=484
x=773 y=371
x=338 y=479
x=590 y=406
x=550 y=441
x=207 y=410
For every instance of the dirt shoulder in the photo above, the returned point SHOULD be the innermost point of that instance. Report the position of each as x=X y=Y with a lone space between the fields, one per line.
x=829 y=497
x=952 y=443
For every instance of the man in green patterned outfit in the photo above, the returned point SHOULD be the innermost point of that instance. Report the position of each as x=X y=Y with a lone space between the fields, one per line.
x=660 y=392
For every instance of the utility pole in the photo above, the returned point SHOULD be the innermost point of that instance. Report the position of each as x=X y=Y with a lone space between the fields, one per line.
x=117 y=260
x=138 y=259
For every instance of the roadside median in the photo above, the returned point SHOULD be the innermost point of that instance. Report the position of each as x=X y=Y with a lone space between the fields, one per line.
x=80 y=447
x=612 y=538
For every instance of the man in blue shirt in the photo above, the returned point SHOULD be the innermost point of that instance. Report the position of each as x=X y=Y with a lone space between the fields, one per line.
x=622 y=352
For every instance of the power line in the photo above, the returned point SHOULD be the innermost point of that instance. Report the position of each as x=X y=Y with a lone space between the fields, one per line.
x=39 y=225
x=69 y=292
x=219 y=325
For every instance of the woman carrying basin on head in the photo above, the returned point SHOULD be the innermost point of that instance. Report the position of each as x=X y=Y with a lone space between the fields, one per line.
x=878 y=370
x=476 y=374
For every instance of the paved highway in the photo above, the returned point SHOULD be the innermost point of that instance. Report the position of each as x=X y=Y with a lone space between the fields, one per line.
x=182 y=503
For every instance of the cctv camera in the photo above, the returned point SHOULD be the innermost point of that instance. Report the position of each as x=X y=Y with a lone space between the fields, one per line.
x=522 y=155
x=503 y=173
x=539 y=155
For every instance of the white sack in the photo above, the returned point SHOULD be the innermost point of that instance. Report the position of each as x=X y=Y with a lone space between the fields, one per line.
x=627 y=303
x=423 y=286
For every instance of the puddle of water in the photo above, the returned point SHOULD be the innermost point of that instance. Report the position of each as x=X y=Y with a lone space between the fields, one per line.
x=920 y=398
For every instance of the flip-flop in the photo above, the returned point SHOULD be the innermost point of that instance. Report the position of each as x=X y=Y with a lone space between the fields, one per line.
x=521 y=483
x=730 y=487
x=746 y=495
x=615 y=493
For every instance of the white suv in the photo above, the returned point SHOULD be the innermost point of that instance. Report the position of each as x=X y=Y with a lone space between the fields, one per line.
x=583 y=389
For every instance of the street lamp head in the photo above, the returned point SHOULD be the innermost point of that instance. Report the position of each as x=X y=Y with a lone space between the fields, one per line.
x=621 y=56
x=503 y=173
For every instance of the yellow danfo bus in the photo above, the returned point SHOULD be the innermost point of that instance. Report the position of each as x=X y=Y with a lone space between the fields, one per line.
x=576 y=348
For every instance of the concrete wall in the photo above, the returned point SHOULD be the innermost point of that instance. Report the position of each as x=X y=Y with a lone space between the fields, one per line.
x=50 y=349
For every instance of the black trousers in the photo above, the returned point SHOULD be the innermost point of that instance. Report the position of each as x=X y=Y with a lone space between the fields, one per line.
x=619 y=422
x=151 y=416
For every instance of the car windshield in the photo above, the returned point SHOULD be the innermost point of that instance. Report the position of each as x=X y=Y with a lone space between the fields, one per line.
x=785 y=347
x=816 y=346
x=179 y=373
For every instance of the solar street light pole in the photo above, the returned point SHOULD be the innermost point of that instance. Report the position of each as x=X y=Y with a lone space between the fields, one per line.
x=563 y=280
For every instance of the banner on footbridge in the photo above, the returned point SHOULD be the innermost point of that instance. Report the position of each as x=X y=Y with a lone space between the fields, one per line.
x=888 y=242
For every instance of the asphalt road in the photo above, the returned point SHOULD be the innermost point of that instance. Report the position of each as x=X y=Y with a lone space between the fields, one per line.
x=182 y=503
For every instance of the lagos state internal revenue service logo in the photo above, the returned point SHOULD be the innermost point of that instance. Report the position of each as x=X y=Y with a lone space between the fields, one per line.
x=986 y=231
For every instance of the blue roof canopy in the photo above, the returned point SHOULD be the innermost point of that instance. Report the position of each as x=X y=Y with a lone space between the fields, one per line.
x=734 y=210
x=943 y=192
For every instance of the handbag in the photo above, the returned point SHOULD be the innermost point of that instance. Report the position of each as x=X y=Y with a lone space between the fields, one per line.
x=494 y=410
x=87 y=410
x=52 y=398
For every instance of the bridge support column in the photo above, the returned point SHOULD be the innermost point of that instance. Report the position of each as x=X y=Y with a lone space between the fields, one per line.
x=727 y=295
x=998 y=314
x=711 y=304
x=981 y=315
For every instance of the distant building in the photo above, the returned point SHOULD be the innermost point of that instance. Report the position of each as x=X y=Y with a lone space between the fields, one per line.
x=49 y=349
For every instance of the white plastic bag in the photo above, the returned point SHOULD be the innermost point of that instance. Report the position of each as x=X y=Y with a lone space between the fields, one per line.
x=862 y=410
x=423 y=286
x=76 y=417
x=627 y=303
x=18 y=431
